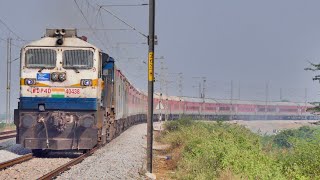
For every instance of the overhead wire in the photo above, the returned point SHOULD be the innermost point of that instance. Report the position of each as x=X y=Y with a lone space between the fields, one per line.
x=99 y=17
x=1 y=39
x=99 y=7
x=87 y=21
x=2 y=22
x=124 y=22
x=106 y=29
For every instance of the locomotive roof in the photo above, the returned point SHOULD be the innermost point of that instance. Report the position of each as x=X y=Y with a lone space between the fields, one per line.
x=67 y=42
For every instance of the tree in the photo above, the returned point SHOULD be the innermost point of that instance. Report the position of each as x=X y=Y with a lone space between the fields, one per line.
x=314 y=67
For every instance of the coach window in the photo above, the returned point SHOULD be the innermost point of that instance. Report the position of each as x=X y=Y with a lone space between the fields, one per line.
x=39 y=58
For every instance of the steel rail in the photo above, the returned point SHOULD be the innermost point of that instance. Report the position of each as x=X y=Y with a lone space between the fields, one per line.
x=8 y=132
x=15 y=161
x=7 y=136
x=67 y=166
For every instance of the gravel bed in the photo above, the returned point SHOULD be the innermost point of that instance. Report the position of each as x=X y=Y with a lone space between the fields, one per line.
x=122 y=158
x=32 y=169
x=10 y=150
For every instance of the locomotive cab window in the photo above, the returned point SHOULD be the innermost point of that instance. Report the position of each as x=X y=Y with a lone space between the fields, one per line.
x=36 y=58
x=81 y=59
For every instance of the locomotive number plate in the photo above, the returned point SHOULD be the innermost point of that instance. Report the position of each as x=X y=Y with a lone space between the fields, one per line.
x=73 y=91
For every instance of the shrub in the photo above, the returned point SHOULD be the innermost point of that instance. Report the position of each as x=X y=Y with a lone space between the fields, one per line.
x=212 y=148
x=300 y=157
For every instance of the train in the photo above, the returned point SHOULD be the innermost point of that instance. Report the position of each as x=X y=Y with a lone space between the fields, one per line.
x=173 y=107
x=73 y=97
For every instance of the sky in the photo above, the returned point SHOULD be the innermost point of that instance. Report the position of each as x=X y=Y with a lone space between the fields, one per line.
x=243 y=48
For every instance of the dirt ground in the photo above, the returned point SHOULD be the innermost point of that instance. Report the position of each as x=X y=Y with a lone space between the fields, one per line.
x=165 y=158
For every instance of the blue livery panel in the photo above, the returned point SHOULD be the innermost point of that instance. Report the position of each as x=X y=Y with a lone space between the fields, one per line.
x=32 y=103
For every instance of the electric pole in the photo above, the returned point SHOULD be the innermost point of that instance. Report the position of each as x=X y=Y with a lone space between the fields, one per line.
x=161 y=88
x=231 y=96
x=267 y=97
x=180 y=84
x=151 y=40
x=8 y=97
x=167 y=95
x=239 y=91
x=180 y=92
x=203 y=88
x=305 y=98
x=200 y=94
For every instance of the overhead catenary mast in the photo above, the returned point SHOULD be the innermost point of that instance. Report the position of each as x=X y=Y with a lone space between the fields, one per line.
x=180 y=92
x=151 y=39
x=8 y=97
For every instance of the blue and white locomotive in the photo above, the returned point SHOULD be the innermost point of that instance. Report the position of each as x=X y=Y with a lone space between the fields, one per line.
x=67 y=94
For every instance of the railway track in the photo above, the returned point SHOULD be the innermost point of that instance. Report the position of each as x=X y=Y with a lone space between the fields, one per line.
x=48 y=167
x=8 y=134
x=15 y=161
x=52 y=174
x=29 y=161
x=67 y=166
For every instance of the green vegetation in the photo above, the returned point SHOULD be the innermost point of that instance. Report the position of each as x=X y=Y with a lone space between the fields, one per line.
x=4 y=126
x=228 y=151
x=298 y=151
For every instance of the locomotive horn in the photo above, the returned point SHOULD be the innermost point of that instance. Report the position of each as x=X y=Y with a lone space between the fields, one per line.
x=63 y=32
x=57 y=32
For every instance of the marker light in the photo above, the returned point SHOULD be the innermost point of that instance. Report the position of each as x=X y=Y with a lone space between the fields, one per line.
x=30 y=81
x=54 y=76
x=86 y=82
x=62 y=77
x=41 y=107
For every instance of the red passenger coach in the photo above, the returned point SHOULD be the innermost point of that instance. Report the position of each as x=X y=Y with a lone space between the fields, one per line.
x=196 y=108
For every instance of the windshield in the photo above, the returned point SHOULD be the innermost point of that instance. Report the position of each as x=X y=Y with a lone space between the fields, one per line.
x=41 y=58
x=81 y=59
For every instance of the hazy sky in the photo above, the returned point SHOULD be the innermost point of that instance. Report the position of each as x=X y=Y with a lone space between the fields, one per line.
x=251 y=42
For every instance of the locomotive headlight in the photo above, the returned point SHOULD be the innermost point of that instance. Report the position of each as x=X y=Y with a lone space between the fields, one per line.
x=59 y=41
x=62 y=77
x=54 y=76
x=87 y=121
x=86 y=82
x=29 y=81
x=27 y=121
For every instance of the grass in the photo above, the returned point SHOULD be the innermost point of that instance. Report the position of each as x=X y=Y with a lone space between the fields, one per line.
x=4 y=126
x=228 y=151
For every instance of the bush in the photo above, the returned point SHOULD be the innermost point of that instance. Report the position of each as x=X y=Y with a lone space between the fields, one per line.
x=300 y=154
x=174 y=125
x=282 y=139
x=210 y=149
x=218 y=150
